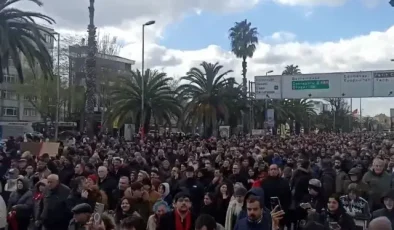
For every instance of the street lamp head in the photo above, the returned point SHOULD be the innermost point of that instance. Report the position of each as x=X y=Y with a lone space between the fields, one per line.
x=271 y=71
x=149 y=23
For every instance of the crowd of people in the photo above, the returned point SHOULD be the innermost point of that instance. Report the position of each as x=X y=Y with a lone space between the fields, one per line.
x=316 y=181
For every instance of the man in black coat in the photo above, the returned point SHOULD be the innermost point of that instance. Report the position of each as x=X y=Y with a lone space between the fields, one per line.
x=55 y=214
x=191 y=185
x=276 y=186
x=181 y=218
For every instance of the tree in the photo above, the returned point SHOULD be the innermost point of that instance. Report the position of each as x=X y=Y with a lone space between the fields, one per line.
x=205 y=89
x=21 y=35
x=159 y=98
x=41 y=93
x=291 y=70
x=300 y=111
x=91 y=77
x=337 y=118
x=244 y=39
x=107 y=46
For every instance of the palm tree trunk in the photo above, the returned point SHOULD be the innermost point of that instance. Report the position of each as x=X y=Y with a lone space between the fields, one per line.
x=244 y=89
x=147 y=117
x=91 y=72
x=244 y=70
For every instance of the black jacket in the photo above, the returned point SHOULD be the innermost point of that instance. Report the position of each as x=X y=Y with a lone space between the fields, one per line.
x=107 y=185
x=55 y=214
x=167 y=221
x=299 y=184
x=279 y=187
x=196 y=191
x=384 y=212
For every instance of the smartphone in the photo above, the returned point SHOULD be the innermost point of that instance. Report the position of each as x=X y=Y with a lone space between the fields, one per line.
x=98 y=211
x=334 y=226
x=275 y=202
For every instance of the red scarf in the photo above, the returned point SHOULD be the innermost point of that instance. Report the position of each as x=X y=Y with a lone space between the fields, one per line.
x=184 y=224
x=12 y=221
x=38 y=196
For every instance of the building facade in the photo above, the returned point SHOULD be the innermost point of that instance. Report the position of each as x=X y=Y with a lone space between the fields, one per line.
x=108 y=68
x=15 y=107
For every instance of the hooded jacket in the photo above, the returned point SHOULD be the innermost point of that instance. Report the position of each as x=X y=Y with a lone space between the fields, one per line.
x=166 y=195
x=22 y=198
x=244 y=223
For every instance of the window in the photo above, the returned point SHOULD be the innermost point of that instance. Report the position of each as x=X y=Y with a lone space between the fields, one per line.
x=10 y=95
x=10 y=111
x=29 y=112
x=10 y=78
x=27 y=98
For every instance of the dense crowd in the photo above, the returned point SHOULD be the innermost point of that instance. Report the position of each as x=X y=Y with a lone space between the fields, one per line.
x=318 y=181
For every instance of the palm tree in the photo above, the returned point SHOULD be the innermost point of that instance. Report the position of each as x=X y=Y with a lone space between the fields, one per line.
x=205 y=89
x=291 y=70
x=301 y=111
x=91 y=72
x=21 y=35
x=244 y=39
x=160 y=99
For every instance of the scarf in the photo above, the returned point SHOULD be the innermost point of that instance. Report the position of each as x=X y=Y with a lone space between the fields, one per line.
x=38 y=196
x=183 y=224
x=234 y=208
x=12 y=221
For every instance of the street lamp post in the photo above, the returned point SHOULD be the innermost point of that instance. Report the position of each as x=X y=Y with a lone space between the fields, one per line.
x=57 y=86
x=143 y=71
x=266 y=100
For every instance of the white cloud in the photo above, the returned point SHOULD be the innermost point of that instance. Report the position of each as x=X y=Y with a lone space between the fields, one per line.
x=308 y=13
x=73 y=14
x=311 y=2
x=280 y=37
x=364 y=52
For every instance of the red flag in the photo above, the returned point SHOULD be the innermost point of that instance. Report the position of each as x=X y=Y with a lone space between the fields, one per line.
x=141 y=132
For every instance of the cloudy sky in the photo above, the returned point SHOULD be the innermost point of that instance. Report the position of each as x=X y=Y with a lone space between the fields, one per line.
x=317 y=35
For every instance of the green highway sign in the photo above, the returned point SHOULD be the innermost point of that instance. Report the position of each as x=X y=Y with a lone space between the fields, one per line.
x=310 y=84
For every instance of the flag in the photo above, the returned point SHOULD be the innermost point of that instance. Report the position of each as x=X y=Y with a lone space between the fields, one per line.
x=141 y=131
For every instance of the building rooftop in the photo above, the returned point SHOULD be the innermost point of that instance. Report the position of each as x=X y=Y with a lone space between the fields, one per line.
x=77 y=48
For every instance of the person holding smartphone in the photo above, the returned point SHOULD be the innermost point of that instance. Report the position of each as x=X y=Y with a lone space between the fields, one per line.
x=335 y=216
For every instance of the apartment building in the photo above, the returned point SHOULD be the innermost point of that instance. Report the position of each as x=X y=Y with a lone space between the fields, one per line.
x=107 y=67
x=14 y=107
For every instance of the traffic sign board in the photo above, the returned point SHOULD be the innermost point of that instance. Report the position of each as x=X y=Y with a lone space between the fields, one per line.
x=310 y=84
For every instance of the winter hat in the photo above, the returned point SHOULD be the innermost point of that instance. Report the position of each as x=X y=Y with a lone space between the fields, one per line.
x=183 y=194
x=388 y=194
x=354 y=171
x=240 y=191
x=166 y=188
x=314 y=184
x=93 y=177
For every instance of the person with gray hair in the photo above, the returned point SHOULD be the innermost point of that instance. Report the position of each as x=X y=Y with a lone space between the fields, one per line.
x=380 y=223
x=55 y=214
